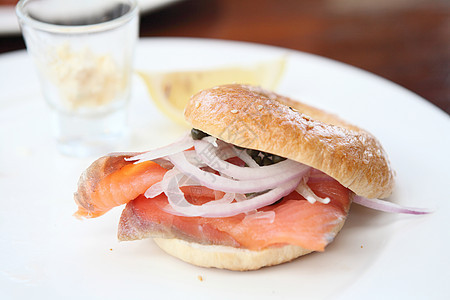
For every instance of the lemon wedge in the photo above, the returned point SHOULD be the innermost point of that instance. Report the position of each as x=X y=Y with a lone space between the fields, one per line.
x=170 y=91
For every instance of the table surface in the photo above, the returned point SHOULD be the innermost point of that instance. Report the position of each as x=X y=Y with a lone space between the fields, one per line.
x=405 y=41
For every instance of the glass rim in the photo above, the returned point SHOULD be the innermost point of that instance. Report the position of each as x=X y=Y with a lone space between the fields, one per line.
x=26 y=19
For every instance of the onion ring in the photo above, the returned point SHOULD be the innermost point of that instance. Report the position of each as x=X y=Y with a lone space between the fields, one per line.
x=386 y=206
x=210 y=156
x=304 y=190
x=216 y=182
x=215 y=209
x=182 y=144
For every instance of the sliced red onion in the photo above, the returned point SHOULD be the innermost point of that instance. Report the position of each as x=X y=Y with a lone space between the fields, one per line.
x=171 y=184
x=164 y=163
x=280 y=179
x=226 y=150
x=153 y=191
x=226 y=199
x=213 y=141
x=242 y=154
x=240 y=197
x=216 y=182
x=387 y=206
x=157 y=188
x=182 y=144
x=113 y=154
x=214 y=209
x=304 y=190
x=210 y=156
x=193 y=159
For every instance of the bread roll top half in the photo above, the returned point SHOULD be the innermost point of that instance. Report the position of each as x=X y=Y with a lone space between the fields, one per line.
x=255 y=118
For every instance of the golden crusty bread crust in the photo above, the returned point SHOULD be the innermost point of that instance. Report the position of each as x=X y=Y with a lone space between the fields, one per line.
x=255 y=118
x=224 y=257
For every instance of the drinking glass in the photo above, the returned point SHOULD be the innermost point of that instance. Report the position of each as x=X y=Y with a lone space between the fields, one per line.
x=83 y=54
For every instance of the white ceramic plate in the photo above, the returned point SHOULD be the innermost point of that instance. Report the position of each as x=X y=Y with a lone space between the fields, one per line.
x=45 y=252
x=10 y=26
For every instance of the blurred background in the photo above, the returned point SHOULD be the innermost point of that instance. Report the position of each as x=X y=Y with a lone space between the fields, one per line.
x=405 y=41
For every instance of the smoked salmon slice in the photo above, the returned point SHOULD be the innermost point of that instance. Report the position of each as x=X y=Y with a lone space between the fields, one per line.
x=112 y=181
x=296 y=221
